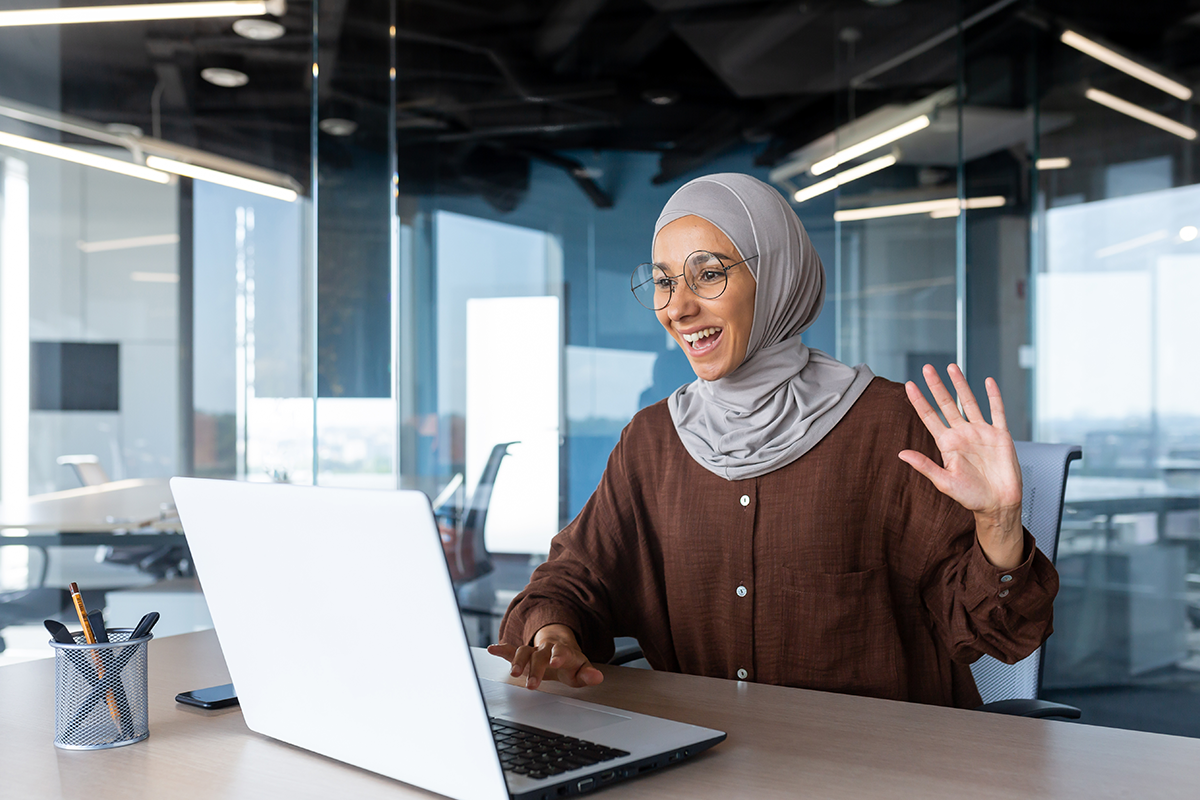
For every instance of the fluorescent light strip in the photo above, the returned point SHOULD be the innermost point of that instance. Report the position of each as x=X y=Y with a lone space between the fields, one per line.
x=82 y=157
x=947 y=207
x=1131 y=244
x=128 y=244
x=1053 y=163
x=154 y=277
x=1139 y=113
x=867 y=145
x=222 y=178
x=1126 y=65
x=992 y=201
x=70 y=16
x=844 y=177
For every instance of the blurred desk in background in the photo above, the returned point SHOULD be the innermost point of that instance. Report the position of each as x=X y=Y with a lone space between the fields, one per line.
x=106 y=514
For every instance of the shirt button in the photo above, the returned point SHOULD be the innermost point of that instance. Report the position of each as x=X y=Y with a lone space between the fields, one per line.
x=1006 y=579
x=742 y=674
x=745 y=500
x=1004 y=593
x=741 y=590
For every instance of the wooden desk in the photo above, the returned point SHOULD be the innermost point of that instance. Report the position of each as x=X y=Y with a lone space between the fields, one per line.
x=107 y=513
x=782 y=743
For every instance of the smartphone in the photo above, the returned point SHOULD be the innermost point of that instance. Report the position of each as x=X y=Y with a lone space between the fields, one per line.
x=212 y=697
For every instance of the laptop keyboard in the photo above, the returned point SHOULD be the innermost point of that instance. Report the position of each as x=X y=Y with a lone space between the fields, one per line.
x=530 y=751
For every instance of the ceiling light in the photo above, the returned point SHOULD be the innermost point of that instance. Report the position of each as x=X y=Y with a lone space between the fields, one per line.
x=1188 y=233
x=660 y=97
x=336 y=126
x=222 y=178
x=83 y=157
x=844 y=177
x=867 y=145
x=128 y=244
x=993 y=201
x=1126 y=65
x=1131 y=244
x=227 y=78
x=154 y=277
x=946 y=207
x=1053 y=163
x=69 y=16
x=1139 y=113
x=260 y=30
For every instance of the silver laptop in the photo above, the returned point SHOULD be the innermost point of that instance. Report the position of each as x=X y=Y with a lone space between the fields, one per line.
x=340 y=628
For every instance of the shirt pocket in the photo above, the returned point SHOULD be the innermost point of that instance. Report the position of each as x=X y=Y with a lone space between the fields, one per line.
x=840 y=633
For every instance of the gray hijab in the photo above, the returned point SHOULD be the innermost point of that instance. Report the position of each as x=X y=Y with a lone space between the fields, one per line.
x=785 y=396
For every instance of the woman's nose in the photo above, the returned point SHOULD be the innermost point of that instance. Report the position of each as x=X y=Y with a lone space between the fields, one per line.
x=683 y=303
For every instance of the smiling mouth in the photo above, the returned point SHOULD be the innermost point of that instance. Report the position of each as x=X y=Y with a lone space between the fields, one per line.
x=702 y=341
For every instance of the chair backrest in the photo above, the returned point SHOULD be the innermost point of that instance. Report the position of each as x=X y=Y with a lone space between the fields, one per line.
x=477 y=509
x=1044 y=478
x=87 y=469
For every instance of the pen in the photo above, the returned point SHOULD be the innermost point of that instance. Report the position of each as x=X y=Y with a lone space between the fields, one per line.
x=90 y=637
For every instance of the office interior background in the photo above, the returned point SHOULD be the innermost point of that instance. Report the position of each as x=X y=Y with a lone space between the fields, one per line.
x=416 y=234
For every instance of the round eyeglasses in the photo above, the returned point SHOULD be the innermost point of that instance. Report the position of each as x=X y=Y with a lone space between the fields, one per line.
x=706 y=274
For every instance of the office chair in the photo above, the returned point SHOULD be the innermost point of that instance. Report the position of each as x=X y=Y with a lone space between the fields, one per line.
x=161 y=561
x=1005 y=688
x=462 y=529
x=1014 y=688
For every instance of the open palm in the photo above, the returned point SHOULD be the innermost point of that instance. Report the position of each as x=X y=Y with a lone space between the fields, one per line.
x=979 y=462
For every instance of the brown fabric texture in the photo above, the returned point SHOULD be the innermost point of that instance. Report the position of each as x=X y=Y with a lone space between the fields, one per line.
x=859 y=576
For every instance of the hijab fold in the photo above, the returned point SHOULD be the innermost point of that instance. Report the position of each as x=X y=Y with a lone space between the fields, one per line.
x=785 y=396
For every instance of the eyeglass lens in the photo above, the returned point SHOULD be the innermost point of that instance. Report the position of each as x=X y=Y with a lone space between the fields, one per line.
x=653 y=287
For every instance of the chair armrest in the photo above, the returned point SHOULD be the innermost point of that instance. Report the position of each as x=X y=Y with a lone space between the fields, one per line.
x=1038 y=709
x=626 y=653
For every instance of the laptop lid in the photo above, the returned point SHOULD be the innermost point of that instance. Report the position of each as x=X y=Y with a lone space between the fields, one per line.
x=343 y=595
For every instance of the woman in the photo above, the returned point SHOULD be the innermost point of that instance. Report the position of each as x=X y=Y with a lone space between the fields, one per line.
x=786 y=518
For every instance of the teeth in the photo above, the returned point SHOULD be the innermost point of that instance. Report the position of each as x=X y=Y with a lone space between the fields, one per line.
x=692 y=338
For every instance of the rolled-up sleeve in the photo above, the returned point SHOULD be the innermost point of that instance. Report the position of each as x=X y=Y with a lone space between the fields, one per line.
x=583 y=584
x=979 y=609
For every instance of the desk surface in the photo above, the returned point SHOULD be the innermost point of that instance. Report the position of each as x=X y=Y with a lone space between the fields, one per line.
x=102 y=508
x=782 y=743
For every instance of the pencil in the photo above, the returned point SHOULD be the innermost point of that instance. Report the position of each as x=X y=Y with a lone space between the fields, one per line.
x=89 y=636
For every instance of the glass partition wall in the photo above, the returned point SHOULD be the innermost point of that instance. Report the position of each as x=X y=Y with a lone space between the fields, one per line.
x=474 y=184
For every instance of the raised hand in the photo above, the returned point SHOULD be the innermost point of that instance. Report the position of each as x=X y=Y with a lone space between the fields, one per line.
x=555 y=655
x=979 y=462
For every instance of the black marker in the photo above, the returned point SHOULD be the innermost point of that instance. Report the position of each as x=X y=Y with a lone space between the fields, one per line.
x=144 y=627
x=59 y=632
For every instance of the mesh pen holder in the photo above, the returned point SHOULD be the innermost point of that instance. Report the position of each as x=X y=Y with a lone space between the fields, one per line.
x=100 y=692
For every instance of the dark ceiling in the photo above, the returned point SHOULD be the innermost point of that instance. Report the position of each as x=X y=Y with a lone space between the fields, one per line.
x=486 y=86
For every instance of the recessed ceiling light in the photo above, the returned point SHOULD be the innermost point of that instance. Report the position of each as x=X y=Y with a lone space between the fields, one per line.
x=336 y=126
x=1188 y=233
x=227 y=78
x=260 y=30
x=660 y=97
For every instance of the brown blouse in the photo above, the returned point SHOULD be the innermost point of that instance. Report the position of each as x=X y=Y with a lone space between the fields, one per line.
x=845 y=570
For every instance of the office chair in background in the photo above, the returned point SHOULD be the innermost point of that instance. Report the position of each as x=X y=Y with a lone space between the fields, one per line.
x=1005 y=688
x=161 y=561
x=461 y=528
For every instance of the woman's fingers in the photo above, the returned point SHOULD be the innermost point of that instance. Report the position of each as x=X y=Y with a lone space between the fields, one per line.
x=927 y=467
x=966 y=397
x=548 y=661
x=997 y=404
x=505 y=651
x=925 y=411
x=537 y=667
x=941 y=395
x=573 y=668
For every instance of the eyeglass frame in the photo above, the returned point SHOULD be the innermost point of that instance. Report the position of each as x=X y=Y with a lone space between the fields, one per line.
x=725 y=269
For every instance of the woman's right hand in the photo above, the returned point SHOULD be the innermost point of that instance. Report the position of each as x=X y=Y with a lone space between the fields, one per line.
x=554 y=656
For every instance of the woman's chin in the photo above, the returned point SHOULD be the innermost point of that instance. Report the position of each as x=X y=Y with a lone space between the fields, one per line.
x=707 y=370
